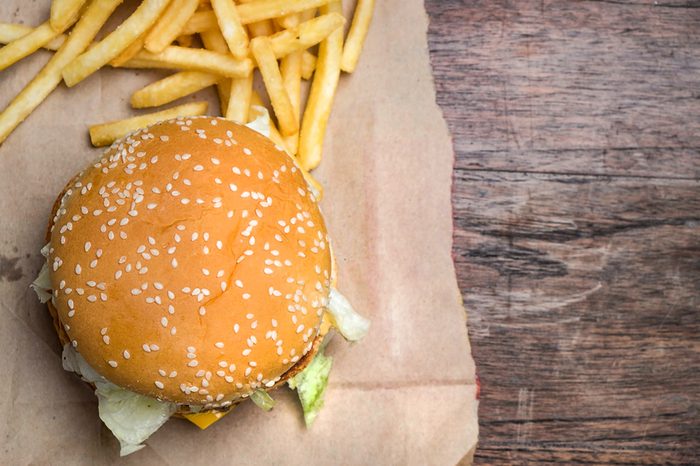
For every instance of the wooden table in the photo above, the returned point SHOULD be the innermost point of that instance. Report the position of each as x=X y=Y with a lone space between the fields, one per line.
x=577 y=222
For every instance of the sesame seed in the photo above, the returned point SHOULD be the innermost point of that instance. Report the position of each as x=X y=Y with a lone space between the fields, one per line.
x=219 y=344
x=193 y=363
x=164 y=322
x=126 y=354
x=112 y=363
x=159 y=384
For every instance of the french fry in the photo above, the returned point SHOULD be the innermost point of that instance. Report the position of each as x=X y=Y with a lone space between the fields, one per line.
x=290 y=69
x=64 y=13
x=106 y=133
x=172 y=88
x=183 y=58
x=308 y=64
x=259 y=28
x=239 y=99
x=214 y=41
x=289 y=21
x=185 y=40
x=356 y=35
x=111 y=46
x=231 y=27
x=170 y=24
x=49 y=77
x=200 y=21
x=306 y=34
x=26 y=45
x=267 y=64
x=130 y=52
x=268 y=9
x=320 y=101
x=11 y=31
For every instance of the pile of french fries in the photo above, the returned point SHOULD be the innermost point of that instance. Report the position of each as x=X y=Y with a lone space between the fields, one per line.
x=208 y=43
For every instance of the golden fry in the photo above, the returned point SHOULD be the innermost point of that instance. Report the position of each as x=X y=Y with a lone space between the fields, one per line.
x=268 y=9
x=267 y=64
x=308 y=64
x=172 y=88
x=64 y=13
x=130 y=52
x=106 y=133
x=259 y=28
x=185 y=40
x=49 y=77
x=11 y=31
x=239 y=99
x=170 y=24
x=323 y=87
x=200 y=21
x=306 y=34
x=111 y=46
x=26 y=45
x=290 y=68
x=356 y=35
x=183 y=58
x=214 y=41
x=231 y=27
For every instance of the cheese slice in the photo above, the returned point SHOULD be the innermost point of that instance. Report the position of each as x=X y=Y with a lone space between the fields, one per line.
x=204 y=420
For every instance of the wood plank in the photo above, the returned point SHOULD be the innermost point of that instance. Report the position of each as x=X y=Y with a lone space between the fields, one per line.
x=583 y=299
x=606 y=87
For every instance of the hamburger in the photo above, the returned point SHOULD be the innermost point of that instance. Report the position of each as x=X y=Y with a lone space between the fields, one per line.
x=189 y=269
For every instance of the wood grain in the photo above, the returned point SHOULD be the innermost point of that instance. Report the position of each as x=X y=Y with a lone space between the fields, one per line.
x=577 y=223
x=607 y=87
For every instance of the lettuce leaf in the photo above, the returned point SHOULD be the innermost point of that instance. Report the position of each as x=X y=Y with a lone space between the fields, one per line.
x=349 y=323
x=262 y=399
x=261 y=124
x=311 y=384
x=42 y=284
x=131 y=417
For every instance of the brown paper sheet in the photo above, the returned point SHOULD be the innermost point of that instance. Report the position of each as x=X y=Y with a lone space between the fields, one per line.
x=404 y=395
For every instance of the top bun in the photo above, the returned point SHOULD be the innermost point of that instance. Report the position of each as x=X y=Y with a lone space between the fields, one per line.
x=191 y=263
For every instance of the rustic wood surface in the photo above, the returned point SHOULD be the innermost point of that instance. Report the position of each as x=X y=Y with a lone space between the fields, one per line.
x=576 y=126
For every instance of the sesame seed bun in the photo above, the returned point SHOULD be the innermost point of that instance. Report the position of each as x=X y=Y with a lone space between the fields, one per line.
x=191 y=263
